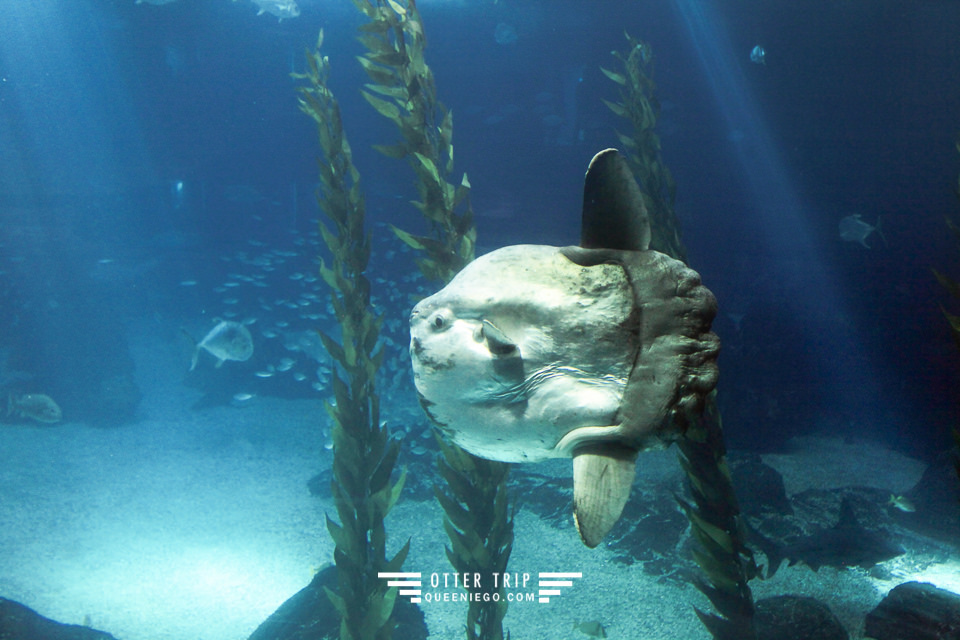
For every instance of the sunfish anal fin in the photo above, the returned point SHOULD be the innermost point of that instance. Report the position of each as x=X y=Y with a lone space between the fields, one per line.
x=602 y=476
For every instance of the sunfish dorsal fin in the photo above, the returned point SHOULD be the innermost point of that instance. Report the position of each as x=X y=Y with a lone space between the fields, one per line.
x=602 y=478
x=614 y=216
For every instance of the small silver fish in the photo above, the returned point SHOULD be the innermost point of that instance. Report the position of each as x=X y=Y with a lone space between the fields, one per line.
x=228 y=340
x=853 y=229
x=281 y=9
x=901 y=503
x=35 y=406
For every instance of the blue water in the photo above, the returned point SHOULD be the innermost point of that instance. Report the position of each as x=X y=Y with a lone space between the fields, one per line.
x=150 y=155
x=170 y=133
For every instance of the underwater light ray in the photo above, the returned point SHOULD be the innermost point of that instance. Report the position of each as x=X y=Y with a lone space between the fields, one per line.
x=63 y=92
x=783 y=226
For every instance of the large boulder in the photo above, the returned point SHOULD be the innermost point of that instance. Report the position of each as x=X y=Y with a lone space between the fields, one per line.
x=796 y=618
x=18 y=622
x=916 y=611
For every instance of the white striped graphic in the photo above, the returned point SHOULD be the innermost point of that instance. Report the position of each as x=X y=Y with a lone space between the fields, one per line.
x=548 y=582
x=404 y=581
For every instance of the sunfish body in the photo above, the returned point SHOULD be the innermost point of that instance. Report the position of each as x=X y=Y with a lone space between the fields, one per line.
x=35 y=406
x=593 y=352
x=228 y=340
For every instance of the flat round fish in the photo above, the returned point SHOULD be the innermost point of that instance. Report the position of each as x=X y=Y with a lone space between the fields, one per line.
x=228 y=340
x=596 y=352
x=521 y=348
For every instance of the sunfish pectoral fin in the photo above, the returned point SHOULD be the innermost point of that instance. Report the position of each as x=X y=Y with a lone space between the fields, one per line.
x=602 y=476
x=497 y=341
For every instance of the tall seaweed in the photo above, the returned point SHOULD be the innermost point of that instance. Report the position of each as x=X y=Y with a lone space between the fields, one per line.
x=402 y=90
x=639 y=106
x=714 y=514
x=953 y=289
x=477 y=519
x=364 y=454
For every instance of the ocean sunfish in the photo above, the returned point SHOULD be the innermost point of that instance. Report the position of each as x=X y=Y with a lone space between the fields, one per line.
x=594 y=352
x=228 y=340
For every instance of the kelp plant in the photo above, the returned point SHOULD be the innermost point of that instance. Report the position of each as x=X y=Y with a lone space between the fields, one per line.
x=714 y=515
x=402 y=90
x=953 y=288
x=639 y=105
x=477 y=520
x=364 y=454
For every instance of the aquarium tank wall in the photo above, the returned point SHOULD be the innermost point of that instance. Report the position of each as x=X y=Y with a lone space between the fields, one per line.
x=479 y=319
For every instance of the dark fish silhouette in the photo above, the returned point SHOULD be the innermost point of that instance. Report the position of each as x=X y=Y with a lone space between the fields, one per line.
x=846 y=544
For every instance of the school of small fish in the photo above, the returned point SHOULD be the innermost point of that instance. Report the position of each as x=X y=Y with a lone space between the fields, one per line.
x=268 y=306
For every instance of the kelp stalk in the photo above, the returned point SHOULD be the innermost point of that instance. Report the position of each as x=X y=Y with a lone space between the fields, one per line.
x=952 y=287
x=364 y=454
x=639 y=106
x=714 y=514
x=402 y=90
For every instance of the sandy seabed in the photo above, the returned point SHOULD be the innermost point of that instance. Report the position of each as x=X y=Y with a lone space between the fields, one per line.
x=197 y=525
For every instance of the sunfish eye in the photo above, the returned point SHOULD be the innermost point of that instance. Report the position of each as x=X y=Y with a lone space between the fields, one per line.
x=438 y=321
